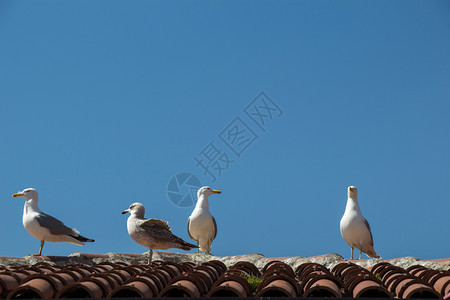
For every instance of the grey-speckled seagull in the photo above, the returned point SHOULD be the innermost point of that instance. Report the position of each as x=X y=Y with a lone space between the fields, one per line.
x=44 y=227
x=152 y=233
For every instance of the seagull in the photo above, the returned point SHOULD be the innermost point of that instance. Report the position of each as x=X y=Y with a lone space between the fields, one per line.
x=355 y=229
x=152 y=233
x=201 y=225
x=44 y=227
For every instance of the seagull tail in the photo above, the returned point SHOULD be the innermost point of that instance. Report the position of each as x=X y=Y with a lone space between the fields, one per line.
x=187 y=246
x=373 y=254
x=82 y=238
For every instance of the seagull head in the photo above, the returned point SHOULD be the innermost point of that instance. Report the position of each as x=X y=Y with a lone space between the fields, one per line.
x=206 y=191
x=352 y=192
x=28 y=194
x=136 y=209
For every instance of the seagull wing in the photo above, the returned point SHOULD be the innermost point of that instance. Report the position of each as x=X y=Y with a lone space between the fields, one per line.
x=160 y=231
x=370 y=231
x=189 y=232
x=215 y=228
x=157 y=222
x=54 y=225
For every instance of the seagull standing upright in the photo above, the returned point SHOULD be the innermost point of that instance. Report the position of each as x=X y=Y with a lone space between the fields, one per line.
x=44 y=227
x=201 y=225
x=152 y=233
x=355 y=229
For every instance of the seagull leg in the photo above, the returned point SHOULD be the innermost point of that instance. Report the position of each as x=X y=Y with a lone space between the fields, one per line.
x=198 y=249
x=40 y=249
x=209 y=247
x=352 y=254
x=42 y=246
x=150 y=254
x=360 y=251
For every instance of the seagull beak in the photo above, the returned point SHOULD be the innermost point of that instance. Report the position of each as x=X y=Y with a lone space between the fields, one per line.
x=125 y=212
x=19 y=194
x=217 y=192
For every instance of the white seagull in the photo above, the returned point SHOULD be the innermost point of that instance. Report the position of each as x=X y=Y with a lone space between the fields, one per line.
x=355 y=229
x=152 y=233
x=201 y=225
x=44 y=227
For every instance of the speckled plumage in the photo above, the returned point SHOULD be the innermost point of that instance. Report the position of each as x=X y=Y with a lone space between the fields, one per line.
x=152 y=233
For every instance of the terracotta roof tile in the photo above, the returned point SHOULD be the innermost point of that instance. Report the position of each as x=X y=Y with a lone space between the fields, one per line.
x=47 y=280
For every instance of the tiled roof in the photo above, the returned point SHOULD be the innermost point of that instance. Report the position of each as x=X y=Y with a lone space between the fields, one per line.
x=214 y=279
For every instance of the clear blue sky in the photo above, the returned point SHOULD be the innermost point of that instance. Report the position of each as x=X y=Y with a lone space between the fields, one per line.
x=103 y=102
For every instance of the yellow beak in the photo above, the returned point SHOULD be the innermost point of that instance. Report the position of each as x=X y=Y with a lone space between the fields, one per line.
x=217 y=192
x=19 y=194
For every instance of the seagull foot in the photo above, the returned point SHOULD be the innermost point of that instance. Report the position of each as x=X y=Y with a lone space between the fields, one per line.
x=35 y=254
